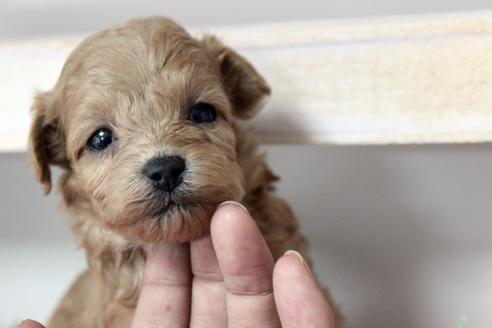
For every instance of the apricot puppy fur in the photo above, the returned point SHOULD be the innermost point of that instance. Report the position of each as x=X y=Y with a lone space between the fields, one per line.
x=145 y=122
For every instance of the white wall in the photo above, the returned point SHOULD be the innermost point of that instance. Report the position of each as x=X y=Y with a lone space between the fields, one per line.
x=402 y=234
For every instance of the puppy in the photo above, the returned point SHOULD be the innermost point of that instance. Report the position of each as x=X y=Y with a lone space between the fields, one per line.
x=146 y=123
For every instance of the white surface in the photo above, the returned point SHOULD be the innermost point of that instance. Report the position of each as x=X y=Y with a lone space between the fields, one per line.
x=34 y=277
x=418 y=79
x=402 y=235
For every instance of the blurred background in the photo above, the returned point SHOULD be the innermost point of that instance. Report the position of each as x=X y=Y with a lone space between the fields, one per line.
x=27 y=18
x=401 y=234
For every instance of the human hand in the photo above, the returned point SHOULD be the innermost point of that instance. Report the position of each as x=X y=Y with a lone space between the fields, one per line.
x=227 y=279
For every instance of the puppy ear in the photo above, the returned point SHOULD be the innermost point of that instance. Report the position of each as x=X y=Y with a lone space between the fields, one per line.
x=46 y=145
x=246 y=88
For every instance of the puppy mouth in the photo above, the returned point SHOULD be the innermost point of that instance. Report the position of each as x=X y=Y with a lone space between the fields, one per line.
x=181 y=215
x=169 y=203
x=162 y=211
x=157 y=219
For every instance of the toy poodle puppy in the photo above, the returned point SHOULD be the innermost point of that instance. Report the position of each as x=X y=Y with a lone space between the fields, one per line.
x=146 y=123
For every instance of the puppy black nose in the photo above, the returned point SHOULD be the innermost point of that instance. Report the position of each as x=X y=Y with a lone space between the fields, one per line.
x=165 y=172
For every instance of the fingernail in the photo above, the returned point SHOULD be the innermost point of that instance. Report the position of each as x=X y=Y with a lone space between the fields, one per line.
x=29 y=323
x=234 y=203
x=300 y=259
x=297 y=254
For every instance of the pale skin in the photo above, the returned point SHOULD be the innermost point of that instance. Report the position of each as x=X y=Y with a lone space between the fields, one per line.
x=227 y=279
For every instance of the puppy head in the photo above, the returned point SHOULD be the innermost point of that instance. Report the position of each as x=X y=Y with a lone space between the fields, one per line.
x=141 y=120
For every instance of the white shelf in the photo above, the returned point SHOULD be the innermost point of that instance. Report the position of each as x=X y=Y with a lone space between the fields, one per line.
x=415 y=79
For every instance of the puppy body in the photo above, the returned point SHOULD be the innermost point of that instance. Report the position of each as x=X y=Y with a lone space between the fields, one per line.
x=139 y=82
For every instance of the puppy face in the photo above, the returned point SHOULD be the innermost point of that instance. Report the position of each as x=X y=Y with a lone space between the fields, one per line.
x=142 y=120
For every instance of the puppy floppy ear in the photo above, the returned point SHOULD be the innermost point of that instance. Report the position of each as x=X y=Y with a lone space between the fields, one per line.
x=246 y=88
x=46 y=141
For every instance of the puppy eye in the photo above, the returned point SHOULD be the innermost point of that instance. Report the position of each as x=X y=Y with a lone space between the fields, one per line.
x=202 y=113
x=100 y=140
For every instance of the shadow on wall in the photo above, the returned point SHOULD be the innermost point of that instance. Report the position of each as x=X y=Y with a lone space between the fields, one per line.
x=386 y=221
x=24 y=210
x=401 y=234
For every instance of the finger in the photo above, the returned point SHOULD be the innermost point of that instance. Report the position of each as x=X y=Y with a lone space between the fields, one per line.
x=30 y=324
x=165 y=297
x=300 y=302
x=246 y=264
x=208 y=307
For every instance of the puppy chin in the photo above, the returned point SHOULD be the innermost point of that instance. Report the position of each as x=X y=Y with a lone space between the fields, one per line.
x=177 y=217
x=178 y=223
